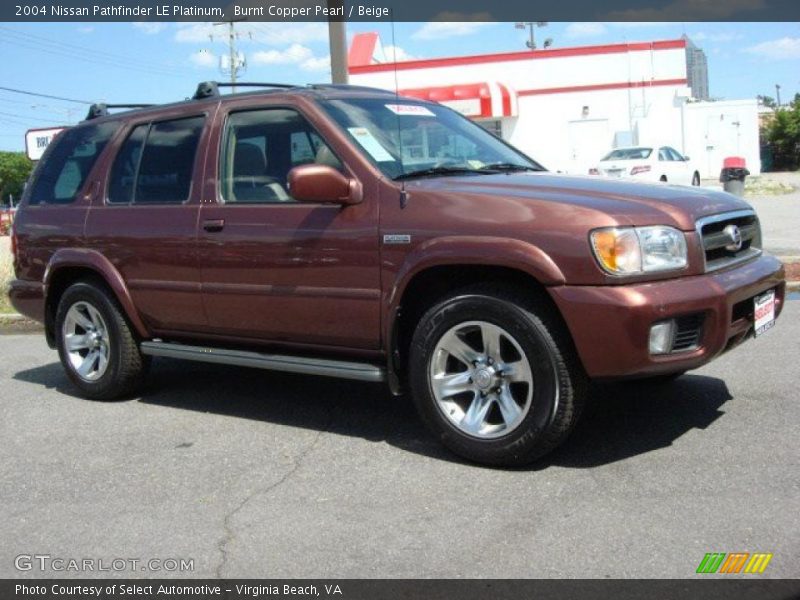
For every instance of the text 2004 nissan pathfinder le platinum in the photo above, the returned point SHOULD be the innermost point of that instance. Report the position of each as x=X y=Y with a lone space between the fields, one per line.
x=346 y=232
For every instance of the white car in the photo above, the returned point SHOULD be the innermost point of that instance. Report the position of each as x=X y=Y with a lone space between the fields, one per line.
x=648 y=164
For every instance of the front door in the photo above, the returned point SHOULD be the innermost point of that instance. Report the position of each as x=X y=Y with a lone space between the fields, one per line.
x=275 y=269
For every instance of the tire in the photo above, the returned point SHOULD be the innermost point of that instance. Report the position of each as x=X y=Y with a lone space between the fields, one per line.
x=533 y=343
x=663 y=179
x=89 y=320
x=696 y=179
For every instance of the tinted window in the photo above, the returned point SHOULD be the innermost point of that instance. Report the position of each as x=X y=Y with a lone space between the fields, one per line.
x=628 y=154
x=167 y=161
x=674 y=154
x=66 y=166
x=123 y=173
x=261 y=147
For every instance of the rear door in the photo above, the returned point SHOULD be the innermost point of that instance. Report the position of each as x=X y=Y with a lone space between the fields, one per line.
x=275 y=269
x=145 y=219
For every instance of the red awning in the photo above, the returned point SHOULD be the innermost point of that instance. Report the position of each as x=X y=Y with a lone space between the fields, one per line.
x=477 y=100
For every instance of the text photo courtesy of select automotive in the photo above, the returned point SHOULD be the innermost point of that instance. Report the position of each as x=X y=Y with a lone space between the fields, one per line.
x=376 y=299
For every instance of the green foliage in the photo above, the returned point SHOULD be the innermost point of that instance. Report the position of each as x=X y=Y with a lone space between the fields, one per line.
x=782 y=133
x=15 y=168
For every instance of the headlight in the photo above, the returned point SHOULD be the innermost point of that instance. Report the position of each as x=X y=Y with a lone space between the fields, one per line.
x=631 y=250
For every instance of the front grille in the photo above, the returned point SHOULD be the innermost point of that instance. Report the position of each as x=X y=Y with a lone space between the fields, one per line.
x=718 y=243
x=688 y=331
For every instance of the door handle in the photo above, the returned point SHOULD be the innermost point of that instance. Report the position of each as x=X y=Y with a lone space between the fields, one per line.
x=213 y=224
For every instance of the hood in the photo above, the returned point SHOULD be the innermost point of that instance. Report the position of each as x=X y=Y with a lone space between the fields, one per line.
x=629 y=202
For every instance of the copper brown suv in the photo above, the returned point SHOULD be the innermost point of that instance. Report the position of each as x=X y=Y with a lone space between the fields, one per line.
x=348 y=232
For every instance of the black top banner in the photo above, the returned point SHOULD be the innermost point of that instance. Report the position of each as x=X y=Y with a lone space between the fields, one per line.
x=399 y=10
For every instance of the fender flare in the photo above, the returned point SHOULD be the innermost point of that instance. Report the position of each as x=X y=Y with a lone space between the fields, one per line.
x=95 y=261
x=468 y=251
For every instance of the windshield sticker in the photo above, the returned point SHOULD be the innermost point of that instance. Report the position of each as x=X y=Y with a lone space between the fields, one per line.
x=368 y=142
x=410 y=109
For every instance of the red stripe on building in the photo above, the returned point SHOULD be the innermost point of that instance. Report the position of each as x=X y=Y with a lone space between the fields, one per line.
x=362 y=49
x=456 y=61
x=601 y=86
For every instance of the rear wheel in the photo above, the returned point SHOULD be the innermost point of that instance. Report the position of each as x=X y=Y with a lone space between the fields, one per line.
x=494 y=378
x=96 y=345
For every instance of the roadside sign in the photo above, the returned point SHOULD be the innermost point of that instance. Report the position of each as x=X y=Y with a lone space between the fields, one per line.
x=37 y=140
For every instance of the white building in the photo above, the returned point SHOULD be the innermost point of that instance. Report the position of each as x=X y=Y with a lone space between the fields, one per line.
x=567 y=107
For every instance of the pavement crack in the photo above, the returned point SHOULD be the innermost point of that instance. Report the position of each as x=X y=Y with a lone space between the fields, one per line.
x=229 y=533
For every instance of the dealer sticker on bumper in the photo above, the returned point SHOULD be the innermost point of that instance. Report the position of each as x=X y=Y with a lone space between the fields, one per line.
x=764 y=311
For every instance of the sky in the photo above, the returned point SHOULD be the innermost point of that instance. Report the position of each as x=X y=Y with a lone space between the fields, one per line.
x=163 y=62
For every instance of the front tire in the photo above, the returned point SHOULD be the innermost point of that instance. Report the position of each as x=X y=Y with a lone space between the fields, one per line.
x=495 y=377
x=96 y=345
x=696 y=179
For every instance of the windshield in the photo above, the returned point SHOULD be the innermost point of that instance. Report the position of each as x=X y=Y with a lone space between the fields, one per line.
x=406 y=138
x=628 y=154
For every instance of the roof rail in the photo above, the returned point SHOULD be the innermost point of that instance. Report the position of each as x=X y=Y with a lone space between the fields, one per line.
x=210 y=89
x=101 y=110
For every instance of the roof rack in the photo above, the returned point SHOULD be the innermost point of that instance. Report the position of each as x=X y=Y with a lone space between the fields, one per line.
x=210 y=89
x=347 y=86
x=101 y=110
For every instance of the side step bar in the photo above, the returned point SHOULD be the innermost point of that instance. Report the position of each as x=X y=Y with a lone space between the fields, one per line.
x=274 y=362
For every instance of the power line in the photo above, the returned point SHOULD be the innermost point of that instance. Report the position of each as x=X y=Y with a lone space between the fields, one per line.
x=27 y=93
x=33 y=38
x=25 y=117
x=40 y=44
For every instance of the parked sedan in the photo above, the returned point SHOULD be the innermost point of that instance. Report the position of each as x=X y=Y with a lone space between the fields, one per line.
x=648 y=164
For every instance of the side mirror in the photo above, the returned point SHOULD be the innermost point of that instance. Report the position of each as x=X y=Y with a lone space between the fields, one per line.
x=321 y=183
x=686 y=159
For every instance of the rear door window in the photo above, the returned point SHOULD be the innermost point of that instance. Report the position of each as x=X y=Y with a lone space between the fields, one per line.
x=66 y=166
x=156 y=163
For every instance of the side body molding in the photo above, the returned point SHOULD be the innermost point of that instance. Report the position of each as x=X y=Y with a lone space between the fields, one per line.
x=95 y=261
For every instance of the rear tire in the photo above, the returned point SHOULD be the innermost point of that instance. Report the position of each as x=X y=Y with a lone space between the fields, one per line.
x=96 y=345
x=495 y=377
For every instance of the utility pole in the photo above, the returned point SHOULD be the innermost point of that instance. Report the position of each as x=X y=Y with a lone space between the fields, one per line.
x=778 y=94
x=233 y=56
x=337 y=40
x=531 y=42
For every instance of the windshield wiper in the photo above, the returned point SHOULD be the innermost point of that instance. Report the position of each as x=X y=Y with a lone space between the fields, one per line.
x=433 y=171
x=504 y=166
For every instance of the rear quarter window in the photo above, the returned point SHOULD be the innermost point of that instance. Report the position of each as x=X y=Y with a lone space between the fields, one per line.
x=65 y=167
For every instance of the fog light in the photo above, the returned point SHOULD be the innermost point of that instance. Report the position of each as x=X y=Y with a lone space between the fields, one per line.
x=661 y=335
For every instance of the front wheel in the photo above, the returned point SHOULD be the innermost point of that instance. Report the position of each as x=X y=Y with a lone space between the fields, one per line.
x=495 y=377
x=696 y=179
x=96 y=345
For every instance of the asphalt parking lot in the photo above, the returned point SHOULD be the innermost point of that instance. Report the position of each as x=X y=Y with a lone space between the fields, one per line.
x=257 y=474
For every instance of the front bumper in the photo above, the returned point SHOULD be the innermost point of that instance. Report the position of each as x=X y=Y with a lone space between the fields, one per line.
x=610 y=325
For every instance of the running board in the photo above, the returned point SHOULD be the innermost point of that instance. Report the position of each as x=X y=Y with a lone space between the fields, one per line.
x=273 y=362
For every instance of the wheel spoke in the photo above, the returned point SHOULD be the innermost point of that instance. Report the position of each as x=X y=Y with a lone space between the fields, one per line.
x=97 y=320
x=460 y=350
x=102 y=361
x=76 y=341
x=82 y=320
x=491 y=341
x=88 y=363
x=518 y=372
x=451 y=384
x=508 y=407
x=476 y=413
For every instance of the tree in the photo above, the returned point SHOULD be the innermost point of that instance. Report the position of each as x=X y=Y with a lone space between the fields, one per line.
x=15 y=168
x=782 y=134
x=767 y=101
